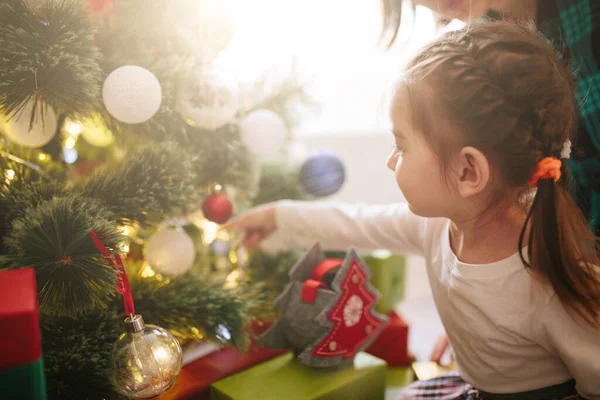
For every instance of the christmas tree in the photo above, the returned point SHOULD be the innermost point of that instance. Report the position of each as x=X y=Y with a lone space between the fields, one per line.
x=116 y=119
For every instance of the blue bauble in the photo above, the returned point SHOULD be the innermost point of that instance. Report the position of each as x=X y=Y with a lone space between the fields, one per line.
x=322 y=174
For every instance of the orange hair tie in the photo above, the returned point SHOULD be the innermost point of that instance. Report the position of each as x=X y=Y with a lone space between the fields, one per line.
x=547 y=168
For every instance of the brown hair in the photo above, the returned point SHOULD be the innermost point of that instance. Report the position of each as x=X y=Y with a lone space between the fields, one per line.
x=505 y=91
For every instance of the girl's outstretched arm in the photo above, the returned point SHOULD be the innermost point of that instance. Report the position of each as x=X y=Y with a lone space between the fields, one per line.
x=337 y=226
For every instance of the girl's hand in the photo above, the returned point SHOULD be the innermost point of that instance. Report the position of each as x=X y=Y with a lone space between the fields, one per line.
x=256 y=225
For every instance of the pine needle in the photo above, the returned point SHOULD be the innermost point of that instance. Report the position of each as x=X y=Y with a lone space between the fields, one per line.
x=53 y=238
x=156 y=180
x=77 y=355
x=48 y=55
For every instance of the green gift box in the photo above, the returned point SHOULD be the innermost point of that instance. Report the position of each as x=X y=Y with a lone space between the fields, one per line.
x=387 y=275
x=285 y=377
x=24 y=382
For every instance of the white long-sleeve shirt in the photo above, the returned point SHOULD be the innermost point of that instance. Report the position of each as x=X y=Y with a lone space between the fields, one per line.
x=510 y=333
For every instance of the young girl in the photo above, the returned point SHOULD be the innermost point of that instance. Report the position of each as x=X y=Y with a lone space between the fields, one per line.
x=574 y=28
x=481 y=122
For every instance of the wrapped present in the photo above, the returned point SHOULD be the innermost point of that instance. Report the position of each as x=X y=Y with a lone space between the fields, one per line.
x=392 y=343
x=21 y=366
x=285 y=377
x=387 y=275
x=399 y=377
x=197 y=376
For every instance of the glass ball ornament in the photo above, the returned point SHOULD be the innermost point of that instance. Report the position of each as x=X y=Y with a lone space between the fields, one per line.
x=263 y=132
x=132 y=94
x=210 y=99
x=42 y=131
x=146 y=360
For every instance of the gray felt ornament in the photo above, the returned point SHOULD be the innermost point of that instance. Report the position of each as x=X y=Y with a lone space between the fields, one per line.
x=327 y=310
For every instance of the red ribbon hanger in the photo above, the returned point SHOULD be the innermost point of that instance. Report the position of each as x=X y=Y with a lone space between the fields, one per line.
x=123 y=284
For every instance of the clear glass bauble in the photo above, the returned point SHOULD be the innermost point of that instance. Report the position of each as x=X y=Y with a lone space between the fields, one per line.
x=147 y=362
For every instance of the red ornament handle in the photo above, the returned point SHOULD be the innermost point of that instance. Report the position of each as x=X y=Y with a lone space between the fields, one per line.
x=311 y=285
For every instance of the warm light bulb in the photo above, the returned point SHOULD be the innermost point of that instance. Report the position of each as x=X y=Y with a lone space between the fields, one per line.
x=10 y=174
x=160 y=354
x=210 y=231
x=70 y=143
x=73 y=128
x=147 y=271
x=231 y=281
x=42 y=156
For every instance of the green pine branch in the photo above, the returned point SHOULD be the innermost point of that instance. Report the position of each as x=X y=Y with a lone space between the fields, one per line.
x=225 y=160
x=77 y=354
x=187 y=306
x=272 y=269
x=27 y=166
x=159 y=180
x=279 y=181
x=48 y=55
x=53 y=238
x=21 y=168
x=17 y=199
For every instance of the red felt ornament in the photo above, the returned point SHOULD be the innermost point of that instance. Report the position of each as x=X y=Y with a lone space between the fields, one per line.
x=217 y=208
x=326 y=319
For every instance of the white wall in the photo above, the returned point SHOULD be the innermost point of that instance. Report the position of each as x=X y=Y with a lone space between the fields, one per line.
x=368 y=180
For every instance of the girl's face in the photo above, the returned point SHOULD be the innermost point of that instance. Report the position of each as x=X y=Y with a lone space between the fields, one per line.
x=465 y=10
x=418 y=170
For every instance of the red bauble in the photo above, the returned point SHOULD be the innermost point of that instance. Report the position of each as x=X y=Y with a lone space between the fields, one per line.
x=217 y=208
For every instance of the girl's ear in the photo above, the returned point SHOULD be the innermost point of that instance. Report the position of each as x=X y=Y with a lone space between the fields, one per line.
x=473 y=172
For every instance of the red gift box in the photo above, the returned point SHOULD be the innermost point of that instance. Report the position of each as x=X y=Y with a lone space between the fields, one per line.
x=19 y=319
x=392 y=343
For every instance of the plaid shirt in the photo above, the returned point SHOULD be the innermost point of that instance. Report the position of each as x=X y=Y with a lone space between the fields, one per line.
x=574 y=28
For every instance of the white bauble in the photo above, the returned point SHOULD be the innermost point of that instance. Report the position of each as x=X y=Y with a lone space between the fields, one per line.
x=42 y=130
x=210 y=100
x=170 y=251
x=263 y=132
x=216 y=26
x=96 y=133
x=132 y=94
